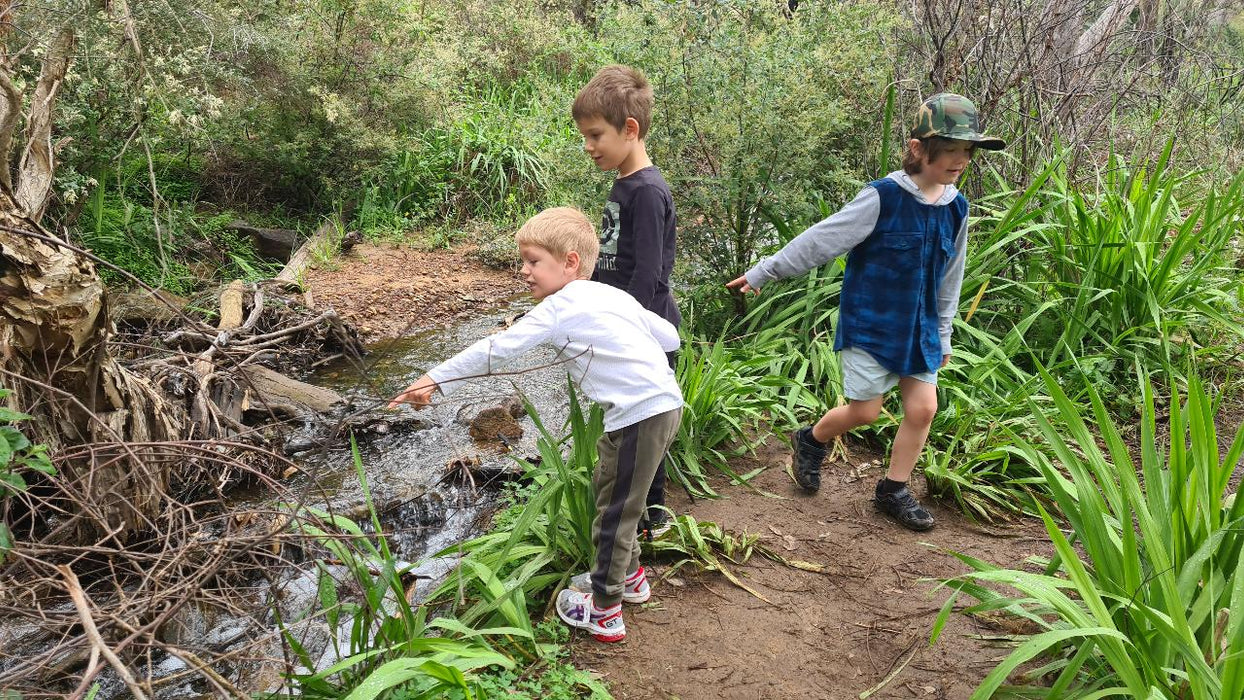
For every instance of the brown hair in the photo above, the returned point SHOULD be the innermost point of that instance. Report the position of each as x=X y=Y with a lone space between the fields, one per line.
x=933 y=146
x=613 y=94
x=560 y=230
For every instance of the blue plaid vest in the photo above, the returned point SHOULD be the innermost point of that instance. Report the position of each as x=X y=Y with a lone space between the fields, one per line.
x=889 y=290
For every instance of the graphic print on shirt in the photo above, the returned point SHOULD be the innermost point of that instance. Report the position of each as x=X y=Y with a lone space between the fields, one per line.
x=610 y=227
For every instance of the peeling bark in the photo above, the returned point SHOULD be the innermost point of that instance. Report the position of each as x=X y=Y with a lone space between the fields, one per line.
x=10 y=112
x=53 y=332
x=34 y=183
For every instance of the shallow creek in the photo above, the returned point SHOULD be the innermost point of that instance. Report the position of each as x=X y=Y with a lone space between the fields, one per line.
x=424 y=512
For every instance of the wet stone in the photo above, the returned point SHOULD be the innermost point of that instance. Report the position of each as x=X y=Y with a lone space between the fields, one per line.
x=497 y=423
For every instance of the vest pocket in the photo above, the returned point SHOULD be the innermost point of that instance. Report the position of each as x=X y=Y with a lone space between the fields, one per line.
x=948 y=246
x=899 y=252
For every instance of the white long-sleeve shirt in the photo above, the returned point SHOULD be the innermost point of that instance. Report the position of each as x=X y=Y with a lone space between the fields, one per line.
x=615 y=350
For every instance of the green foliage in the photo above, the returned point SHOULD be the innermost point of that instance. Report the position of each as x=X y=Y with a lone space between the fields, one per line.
x=484 y=165
x=555 y=678
x=729 y=393
x=17 y=455
x=757 y=108
x=1144 y=606
x=159 y=248
x=390 y=643
x=1132 y=271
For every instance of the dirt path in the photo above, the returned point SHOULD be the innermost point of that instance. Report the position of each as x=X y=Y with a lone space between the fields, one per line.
x=831 y=635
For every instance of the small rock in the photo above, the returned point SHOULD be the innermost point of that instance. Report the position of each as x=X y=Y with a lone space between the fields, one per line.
x=298 y=444
x=495 y=423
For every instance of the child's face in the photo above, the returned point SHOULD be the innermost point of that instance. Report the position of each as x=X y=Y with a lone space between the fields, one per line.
x=949 y=165
x=544 y=273
x=608 y=147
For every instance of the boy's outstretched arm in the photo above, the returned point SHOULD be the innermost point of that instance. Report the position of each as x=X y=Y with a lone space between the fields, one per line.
x=822 y=242
x=482 y=357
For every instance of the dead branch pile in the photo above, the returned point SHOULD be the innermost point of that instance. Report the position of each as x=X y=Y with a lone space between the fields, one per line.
x=138 y=614
x=235 y=376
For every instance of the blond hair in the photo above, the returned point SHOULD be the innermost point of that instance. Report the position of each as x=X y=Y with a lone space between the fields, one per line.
x=614 y=94
x=561 y=230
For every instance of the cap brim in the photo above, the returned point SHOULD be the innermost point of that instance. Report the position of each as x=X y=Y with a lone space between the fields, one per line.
x=989 y=143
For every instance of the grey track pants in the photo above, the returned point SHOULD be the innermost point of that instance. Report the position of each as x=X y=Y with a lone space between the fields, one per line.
x=628 y=460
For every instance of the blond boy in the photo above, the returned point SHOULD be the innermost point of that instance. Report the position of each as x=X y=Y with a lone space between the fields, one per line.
x=615 y=350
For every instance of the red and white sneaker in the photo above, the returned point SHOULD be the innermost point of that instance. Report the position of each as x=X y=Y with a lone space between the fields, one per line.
x=576 y=609
x=635 y=589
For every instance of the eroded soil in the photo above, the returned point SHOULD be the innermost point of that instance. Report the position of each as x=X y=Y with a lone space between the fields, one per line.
x=387 y=290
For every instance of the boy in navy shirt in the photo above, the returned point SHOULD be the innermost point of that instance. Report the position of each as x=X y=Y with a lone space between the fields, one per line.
x=906 y=239
x=613 y=112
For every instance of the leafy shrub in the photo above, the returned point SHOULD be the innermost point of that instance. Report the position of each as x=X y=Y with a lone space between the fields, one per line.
x=1146 y=605
x=729 y=392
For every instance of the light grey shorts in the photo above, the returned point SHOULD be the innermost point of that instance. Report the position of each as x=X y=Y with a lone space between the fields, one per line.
x=864 y=378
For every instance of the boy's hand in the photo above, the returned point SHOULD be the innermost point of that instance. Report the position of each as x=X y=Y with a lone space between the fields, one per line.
x=740 y=283
x=945 y=360
x=417 y=395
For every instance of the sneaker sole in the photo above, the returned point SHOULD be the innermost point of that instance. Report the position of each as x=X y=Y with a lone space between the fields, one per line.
x=637 y=598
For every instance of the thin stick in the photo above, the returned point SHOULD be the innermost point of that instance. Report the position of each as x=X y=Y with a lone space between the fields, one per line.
x=92 y=633
x=911 y=651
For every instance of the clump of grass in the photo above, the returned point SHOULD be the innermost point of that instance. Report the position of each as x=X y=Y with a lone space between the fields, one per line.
x=1145 y=605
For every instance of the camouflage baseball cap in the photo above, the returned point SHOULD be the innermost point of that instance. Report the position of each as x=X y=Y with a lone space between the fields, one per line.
x=954 y=117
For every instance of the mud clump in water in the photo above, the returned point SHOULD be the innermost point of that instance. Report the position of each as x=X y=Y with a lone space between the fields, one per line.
x=495 y=424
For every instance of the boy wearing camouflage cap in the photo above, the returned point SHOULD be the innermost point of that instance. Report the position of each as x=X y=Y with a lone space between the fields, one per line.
x=905 y=238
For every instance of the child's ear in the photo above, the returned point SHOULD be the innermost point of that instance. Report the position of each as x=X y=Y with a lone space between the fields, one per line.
x=916 y=146
x=572 y=261
x=630 y=129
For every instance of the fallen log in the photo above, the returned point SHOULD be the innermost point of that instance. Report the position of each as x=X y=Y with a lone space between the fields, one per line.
x=321 y=242
x=271 y=243
x=285 y=395
x=231 y=306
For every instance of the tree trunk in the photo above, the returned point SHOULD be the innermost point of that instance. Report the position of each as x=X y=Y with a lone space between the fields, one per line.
x=34 y=182
x=53 y=354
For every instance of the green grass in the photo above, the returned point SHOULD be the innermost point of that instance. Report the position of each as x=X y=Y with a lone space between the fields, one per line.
x=1141 y=604
x=391 y=643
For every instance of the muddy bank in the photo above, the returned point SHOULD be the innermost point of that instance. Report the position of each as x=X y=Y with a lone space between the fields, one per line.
x=388 y=291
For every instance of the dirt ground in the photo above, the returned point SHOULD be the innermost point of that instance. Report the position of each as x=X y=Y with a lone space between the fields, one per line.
x=387 y=290
x=829 y=635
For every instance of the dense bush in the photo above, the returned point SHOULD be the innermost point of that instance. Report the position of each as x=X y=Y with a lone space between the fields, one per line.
x=758 y=110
